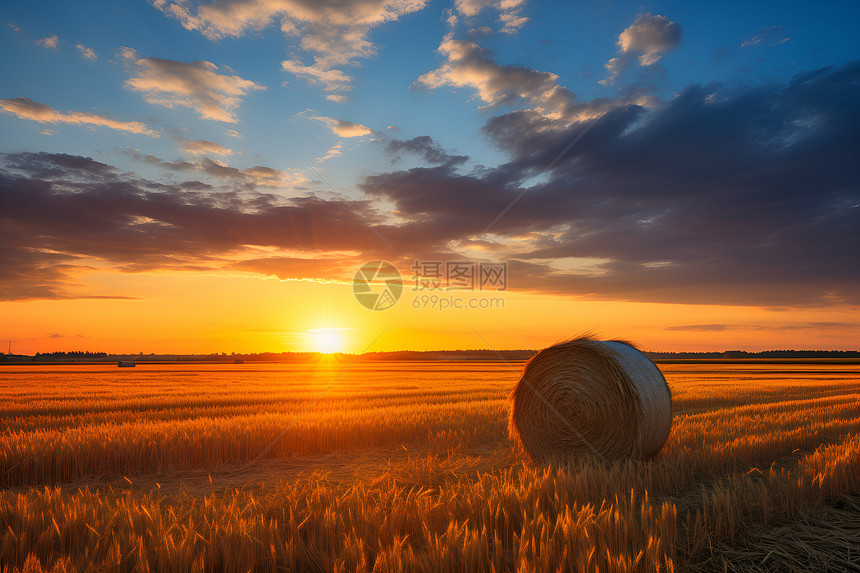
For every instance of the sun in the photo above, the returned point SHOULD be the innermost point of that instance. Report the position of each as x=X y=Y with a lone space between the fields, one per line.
x=326 y=340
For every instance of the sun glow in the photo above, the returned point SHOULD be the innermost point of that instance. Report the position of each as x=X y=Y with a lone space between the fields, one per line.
x=326 y=340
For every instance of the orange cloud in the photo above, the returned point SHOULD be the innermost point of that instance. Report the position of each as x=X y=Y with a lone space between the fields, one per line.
x=202 y=147
x=195 y=85
x=26 y=108
x=342 y=127
x=86 y=52
x=649 y=36
x=330 y=78
x=332 y=31
x=470 y=65
x=334 y=151
x=49 y=42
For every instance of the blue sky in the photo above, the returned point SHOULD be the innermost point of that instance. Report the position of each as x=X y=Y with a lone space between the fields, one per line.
x=669 y=153
x=572 y=40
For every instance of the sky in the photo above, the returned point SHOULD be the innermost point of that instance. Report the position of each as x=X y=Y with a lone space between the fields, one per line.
x=190 y=177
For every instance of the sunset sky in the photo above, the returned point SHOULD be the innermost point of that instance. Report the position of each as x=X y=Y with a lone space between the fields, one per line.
x=208 y=177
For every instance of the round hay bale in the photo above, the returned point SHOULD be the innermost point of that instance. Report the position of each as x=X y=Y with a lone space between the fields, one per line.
x=588 y=396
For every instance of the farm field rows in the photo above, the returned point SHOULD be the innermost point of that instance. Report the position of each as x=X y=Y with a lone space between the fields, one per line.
x=407 y=466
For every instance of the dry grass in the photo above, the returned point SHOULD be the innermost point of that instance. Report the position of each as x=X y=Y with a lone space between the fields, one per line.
x=584 y=396
x=408 y=467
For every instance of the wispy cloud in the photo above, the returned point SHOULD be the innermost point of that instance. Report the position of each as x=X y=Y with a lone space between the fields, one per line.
x=333 y=151
x=340 y=127
x=87 y=52
x=258 y=175
x=330 y=79
x=769 y=36
x=201 y=147
x=196 y=85
x=810 y=325
x=332 y=32
x=49 y=42
x=699 y=327
x=510 y=12
x=26 y=108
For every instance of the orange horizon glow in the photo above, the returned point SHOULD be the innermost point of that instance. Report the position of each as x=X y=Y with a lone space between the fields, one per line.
x=195 y=313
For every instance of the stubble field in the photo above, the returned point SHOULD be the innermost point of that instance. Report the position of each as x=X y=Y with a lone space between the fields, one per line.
x=407 y=466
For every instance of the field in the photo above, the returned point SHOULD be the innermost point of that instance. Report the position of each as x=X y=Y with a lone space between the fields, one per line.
x=407 y=466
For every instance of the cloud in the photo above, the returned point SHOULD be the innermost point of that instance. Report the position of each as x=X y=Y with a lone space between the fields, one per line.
x=333 y=151
x=470 y=65
x=331 y=79
x=699 y=327
x=812 y=325
x=723 y=195
x=337 y=98
x=816 y=325
x=510 y=12
x=646 y=40
x=333 y=33
x=252 y=177
x=770 y=36
x=734 y=196
x=425 y=147
x=479 y=32
x=62 y=212
x=341 y=127
x=49 y=42
x=86 y=52
x=195 y=85
x=202 y=147
x=26 y=108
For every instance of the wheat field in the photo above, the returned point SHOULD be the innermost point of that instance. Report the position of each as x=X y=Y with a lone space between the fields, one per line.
x=333 y=466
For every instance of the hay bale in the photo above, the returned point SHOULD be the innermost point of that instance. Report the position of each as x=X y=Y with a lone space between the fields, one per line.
x=587 y=396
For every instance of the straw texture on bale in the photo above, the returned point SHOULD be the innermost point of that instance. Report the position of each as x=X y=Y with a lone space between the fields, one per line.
x=587 y=396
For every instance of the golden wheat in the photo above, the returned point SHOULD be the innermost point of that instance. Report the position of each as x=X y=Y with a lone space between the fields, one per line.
x=408 y=467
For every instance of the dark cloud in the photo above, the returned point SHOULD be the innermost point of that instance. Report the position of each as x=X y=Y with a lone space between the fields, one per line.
x=817 y=325
x=744 y=196
x=58 y=211
x=424 y=146
x=699 y=327
x=251 y=178
x=812 y=325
